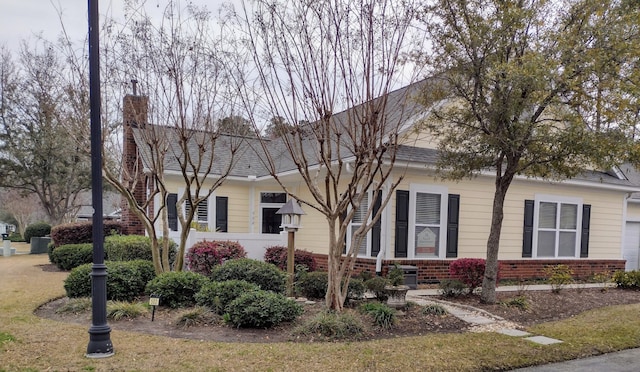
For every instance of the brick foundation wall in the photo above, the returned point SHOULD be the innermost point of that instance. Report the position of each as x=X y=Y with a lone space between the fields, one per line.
x=433 y=271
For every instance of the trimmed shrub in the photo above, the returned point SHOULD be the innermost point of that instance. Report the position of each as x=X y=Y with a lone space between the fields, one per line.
x=383 y=316
x=376 y=286
x=217 y=295
x=15 y=237
x=627 y=280
x=81 y=232
x=260 y=309
x=277 y=255
x=66 y=257
x=266 y=276
x=451 y=288
x=177 y=288
x=469 y=271
x=205 y=255
x=314 y=285
x=134 y=247
x=125 y=282
x=38 y=229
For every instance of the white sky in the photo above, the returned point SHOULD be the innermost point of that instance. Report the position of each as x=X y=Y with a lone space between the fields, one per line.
x=22 y=19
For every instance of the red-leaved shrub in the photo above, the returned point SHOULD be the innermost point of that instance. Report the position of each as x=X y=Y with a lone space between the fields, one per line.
x=81 y=232
x=277 y=255
x=470 y=271
x=205 y=255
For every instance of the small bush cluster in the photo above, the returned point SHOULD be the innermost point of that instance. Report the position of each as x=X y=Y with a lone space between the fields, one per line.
x=469 y=271
x=199 y=315
x=314 y=285
x=627 y=279
x=206 y=255
x=38 y=229
x=519 y=302
x=217 y=295
x=376 y=285
x=383 y=316
x=134 y=247
x=69 y=256
x=277 y=255
x=261 y=309
x=81 y=232
x=176 y=288
x=266 y=276
x=332 y=325
x=558 y=276
x=125 y=282
x=118 y=310
x=452 y=288
x=15 y=237
x=434 y=309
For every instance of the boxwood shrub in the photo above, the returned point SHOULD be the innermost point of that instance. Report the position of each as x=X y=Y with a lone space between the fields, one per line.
x=125 y=282
x=38 y=229
x=134 y=247
x=267 y=276
x=314 y=285
x=66 y=257
x=217 y=295
x=205 y=255
x=261 y=309
x=177 y=289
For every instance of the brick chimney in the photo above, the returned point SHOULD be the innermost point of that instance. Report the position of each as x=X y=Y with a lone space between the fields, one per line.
x=134 y=113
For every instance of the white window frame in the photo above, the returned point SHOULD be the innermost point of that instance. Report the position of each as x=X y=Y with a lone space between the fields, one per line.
x=269 y=205
x=558 y=200
x=211 y=211
x=443 y=191
x=367 y=253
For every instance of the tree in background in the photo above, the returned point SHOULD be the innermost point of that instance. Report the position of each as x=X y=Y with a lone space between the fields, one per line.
x=307 y=61
x=278 y=127
x=179 y=70
x=536 y=88
x=39 y=153
x=25 y=209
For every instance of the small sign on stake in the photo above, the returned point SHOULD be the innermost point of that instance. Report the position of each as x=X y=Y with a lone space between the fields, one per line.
x=154 y=300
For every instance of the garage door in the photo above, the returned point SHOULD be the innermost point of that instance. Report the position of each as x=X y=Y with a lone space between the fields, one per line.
x=632 y=245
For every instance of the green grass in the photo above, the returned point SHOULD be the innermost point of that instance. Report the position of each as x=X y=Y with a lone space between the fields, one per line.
x=44 y=344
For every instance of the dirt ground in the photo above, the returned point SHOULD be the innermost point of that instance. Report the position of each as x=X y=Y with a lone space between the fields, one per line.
x=541 y=306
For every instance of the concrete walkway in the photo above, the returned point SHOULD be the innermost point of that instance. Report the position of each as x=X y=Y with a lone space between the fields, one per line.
x=621 y=361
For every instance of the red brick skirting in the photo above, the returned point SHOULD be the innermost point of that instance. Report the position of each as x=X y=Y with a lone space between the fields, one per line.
x=432 y=271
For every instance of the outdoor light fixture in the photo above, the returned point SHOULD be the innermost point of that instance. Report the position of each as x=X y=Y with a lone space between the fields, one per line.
x=291 y=216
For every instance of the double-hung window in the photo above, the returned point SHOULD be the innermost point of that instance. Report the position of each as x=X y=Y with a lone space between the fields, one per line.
x=201 y=217
x=557 y=226
x=427 y=221
x=359 y=218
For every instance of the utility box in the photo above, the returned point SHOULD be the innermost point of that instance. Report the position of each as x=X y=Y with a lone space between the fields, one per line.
x=40 y=245
x=410 y=275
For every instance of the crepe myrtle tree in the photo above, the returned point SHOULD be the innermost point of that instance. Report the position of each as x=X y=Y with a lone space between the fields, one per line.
x=179 y=72
x=306 y=63
x=535 y=88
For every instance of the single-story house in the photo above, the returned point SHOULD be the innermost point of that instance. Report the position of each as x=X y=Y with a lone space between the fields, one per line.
x=590 y=222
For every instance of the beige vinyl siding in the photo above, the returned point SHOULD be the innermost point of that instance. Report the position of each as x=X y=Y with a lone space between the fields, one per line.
x=419 y=139
x=237 y=212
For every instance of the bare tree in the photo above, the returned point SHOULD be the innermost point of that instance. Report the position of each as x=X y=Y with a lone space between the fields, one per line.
x=24 y=208
x=178 y=67
x=311 y=61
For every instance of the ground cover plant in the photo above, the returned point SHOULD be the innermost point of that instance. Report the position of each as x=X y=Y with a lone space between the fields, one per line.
x=59 y=344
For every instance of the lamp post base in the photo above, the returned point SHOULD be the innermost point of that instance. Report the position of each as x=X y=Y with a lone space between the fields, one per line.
x=100 y=345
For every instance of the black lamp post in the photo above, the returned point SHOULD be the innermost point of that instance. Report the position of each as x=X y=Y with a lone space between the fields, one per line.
x=291 y=216
x=100 y=345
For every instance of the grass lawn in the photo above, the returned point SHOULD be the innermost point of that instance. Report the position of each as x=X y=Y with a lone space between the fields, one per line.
x=29 y=343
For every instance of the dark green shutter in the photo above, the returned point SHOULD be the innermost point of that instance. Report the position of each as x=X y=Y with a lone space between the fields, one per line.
x=377 y=227
x=222 y=206
x=172 y=212
x=527 y=233
x=402 y=223
x=452 y=225
x=584 y=240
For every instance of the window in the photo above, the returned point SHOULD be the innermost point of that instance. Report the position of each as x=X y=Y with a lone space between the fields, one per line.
x=270 y=202
x=557 y=227
x=370 y=244
x=201 y=217
x=427 y=222
x=357 y=221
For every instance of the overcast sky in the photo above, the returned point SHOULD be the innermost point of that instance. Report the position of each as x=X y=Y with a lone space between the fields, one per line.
x=22 y=19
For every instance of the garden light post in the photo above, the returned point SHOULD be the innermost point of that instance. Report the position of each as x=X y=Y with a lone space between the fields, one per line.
x=291 y=216
x=100 y=345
